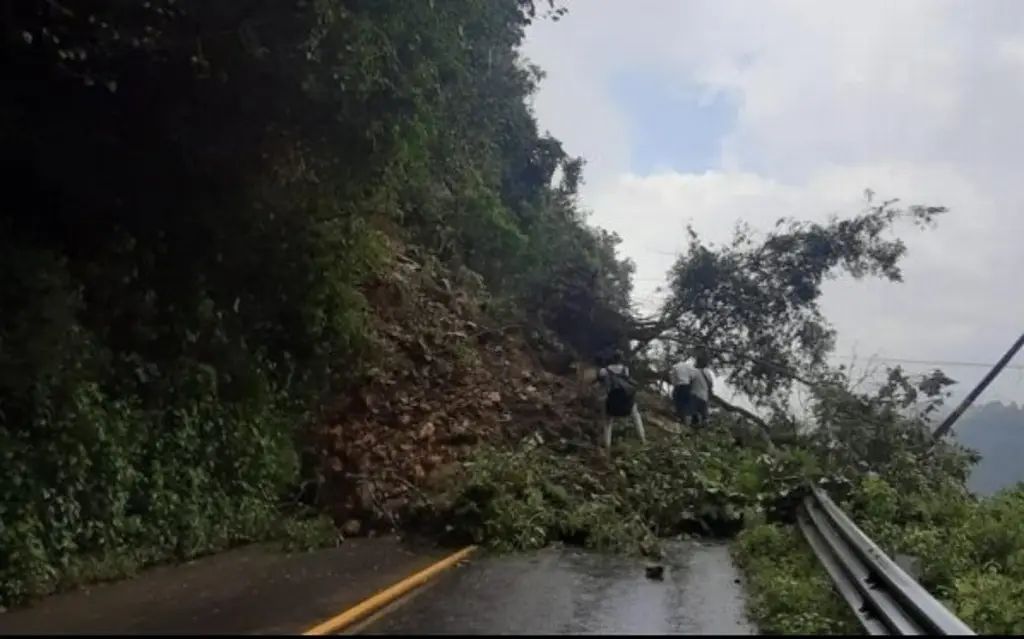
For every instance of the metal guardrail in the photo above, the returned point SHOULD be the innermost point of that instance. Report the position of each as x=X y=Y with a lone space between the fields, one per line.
x=885 y=599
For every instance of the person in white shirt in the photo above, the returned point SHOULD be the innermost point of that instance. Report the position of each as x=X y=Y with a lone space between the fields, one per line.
x=692 y=387
x=620 y=398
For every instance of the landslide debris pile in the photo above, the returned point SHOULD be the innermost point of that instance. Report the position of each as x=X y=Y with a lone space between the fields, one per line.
x=448 y=379
x=461 y=429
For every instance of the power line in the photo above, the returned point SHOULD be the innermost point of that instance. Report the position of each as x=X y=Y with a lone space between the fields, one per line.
x=929 y=362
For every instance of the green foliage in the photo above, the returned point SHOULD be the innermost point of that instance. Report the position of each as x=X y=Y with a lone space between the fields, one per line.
x=789 y=593
x=310 y=533
x=94 y=485
x=970 y=554
x=908 y=496
x=871 y=452
x=695 y=484
x=753 y=304
x=532 y=497
x=204 y=188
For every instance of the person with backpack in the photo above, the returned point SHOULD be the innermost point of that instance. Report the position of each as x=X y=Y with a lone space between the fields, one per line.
x=620 y=398
x=692 y=387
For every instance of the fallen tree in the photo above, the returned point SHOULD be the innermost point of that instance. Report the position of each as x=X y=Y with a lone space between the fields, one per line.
x=753 y=304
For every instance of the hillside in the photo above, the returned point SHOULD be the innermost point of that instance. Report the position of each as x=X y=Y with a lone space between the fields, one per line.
x=996 y=431
x=301 y=271
x=272 y=260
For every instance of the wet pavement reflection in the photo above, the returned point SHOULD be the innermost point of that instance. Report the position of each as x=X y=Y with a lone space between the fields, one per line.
x=567 y=591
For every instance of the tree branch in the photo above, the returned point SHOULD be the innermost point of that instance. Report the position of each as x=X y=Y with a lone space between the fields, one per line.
x=746 y=414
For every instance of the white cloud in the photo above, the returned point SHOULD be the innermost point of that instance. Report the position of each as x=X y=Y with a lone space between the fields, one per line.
x=918 y=99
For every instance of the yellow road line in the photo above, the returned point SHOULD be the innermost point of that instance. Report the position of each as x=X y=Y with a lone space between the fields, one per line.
x=368 y=621
x=388 y=595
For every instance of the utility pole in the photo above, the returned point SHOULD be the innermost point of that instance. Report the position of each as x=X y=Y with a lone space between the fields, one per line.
x=947 y=423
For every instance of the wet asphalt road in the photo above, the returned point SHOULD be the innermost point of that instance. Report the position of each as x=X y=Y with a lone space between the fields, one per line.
x=565 y=591
x=251 y=590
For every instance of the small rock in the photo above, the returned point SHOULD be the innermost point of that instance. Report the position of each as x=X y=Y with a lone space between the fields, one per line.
x=352 y=527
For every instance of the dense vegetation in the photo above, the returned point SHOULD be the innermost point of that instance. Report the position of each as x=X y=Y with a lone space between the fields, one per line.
x=914 y=502
x=208 y=194
x=198 y=192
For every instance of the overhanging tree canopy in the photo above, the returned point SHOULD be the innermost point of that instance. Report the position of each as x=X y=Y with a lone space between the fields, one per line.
x=754 y=303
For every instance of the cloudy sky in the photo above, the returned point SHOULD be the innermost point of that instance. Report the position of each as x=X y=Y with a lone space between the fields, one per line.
x=715 y=111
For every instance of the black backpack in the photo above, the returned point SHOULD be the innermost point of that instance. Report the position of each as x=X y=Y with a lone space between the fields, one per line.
x=621 y=394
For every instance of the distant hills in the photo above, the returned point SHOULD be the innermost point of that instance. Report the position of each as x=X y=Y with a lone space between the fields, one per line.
x=996 y=431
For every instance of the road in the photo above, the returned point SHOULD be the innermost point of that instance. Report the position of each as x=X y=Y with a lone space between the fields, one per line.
x=256 y=590
x=253 y=590
x=565 y=591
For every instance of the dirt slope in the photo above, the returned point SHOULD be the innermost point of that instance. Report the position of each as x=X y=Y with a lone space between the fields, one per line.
x=448 y=379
